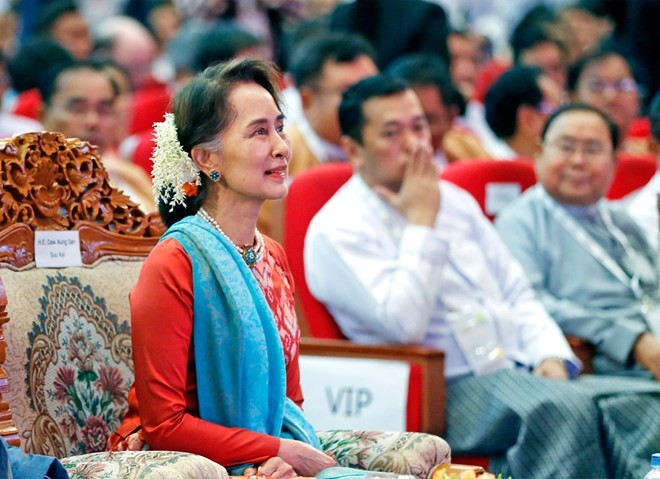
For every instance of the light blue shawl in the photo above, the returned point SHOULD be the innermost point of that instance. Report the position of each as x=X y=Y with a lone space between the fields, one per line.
x=241 y=375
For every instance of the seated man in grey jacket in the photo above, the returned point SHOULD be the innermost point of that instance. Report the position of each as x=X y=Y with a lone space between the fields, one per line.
x=589 y=262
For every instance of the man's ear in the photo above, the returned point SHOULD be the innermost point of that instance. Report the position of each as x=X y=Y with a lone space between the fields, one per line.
x=353 y=150
x=204 y=159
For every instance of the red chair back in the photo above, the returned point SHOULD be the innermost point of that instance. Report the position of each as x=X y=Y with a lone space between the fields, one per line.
x=632 y=173
x=309 y=191
x=474 y=176
x=143 y=150
x=28 y=104
x=149 y=106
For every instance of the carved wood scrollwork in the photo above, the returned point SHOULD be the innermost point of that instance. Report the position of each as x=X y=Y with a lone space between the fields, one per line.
x=8 y=429
x=49 y=182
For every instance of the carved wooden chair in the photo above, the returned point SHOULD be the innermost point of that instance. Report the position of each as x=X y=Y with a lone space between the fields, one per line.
x=65 y=348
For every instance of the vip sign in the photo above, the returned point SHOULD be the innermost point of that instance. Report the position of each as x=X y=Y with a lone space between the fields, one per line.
x=347 y=393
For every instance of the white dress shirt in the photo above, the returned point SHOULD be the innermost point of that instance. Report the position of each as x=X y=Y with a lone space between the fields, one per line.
x=642 y=205
x=384 y=280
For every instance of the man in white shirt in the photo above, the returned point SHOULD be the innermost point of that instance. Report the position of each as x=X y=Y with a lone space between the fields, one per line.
x=398 y=257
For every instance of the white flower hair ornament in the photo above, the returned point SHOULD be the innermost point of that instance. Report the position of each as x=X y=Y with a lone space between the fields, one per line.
x=175 y=175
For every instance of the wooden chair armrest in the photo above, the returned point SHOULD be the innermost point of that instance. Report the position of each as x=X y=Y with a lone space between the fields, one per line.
x=431 y=363
x=584 y=351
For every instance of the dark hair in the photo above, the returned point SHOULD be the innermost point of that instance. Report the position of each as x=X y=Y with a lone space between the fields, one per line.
x=426 y=69
x=654 y=116
x=51 y=12
x=202 y=112
x=538 y=26
x=107 y=65
x=514 y=88
x=351 y=112
x=34 y=61
x=576 y=69
x=611 y=126
x=48 y=84
x=309 y=58
x=221 y=43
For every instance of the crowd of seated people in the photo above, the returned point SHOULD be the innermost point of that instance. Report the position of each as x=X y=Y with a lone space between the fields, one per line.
x=563 y=90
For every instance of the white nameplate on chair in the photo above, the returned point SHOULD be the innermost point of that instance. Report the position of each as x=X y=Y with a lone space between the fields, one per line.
x=57 y=249
x=352 y=393
x=499 y=195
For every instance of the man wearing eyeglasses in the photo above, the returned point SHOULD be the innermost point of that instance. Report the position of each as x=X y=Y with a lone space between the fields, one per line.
x=587 y=259
x=604 y=79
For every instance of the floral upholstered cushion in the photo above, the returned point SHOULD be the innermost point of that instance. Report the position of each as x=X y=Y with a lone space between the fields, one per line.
x=69 y=354
x=143 y=465
x=398 y=452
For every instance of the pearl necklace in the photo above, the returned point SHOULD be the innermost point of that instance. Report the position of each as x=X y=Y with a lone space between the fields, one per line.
x=251 y=253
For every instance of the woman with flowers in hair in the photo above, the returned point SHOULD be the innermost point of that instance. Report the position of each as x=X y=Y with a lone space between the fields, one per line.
x=213 y=277
x=214 y=330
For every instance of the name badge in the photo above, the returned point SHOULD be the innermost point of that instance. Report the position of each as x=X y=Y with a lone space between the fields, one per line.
x=475 y=333
x=57 y=249
x=499 y=195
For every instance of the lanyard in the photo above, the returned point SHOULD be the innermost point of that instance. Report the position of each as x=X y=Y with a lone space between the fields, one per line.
x=593 y=248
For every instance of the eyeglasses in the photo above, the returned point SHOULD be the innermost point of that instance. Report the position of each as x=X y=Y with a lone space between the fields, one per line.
x=624 y=85
x=591 y=150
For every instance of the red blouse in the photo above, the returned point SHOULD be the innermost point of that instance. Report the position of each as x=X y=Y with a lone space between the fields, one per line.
x=165 y=383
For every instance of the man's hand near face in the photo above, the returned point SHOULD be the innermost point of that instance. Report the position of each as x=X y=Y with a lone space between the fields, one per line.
x=418 y=199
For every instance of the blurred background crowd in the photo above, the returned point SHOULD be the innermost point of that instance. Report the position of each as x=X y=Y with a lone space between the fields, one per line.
x=553 y=51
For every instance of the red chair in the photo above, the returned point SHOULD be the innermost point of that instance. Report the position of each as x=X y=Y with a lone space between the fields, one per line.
x=28 y=104
x=476 y=176
x=632 y=173
x=149 y=106
x=309 y=191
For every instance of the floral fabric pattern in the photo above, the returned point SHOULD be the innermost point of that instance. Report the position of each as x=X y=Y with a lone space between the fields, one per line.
x=87 y=397
x=143 y=465
x=410 y=453
x=283 y=305
x=69 y=355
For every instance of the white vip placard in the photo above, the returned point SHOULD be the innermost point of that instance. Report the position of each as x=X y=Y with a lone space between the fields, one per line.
x=57 y=249
x=348 y=393
x=499 y=195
